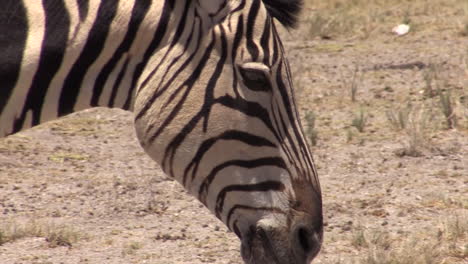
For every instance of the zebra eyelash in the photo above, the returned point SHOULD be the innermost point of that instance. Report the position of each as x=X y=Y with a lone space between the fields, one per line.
x=256 y=77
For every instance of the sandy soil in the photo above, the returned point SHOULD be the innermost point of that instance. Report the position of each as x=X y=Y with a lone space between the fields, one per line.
x=85 y=177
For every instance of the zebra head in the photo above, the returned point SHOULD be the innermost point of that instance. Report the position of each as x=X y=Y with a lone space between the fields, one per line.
x=216 y=110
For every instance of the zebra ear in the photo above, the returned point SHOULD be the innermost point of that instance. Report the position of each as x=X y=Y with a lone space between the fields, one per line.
x=256 y=76
x=285 y=11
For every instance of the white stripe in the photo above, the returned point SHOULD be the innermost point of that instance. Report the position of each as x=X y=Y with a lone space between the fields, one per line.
x=29 y=64
x=156 y=56
x=142 y=41
x=118 y=29
x=76 y=40
x=28 y=120
x=109 y=85
x=126 y=82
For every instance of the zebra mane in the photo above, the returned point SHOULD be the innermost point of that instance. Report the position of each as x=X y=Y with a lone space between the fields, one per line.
x=285 y=11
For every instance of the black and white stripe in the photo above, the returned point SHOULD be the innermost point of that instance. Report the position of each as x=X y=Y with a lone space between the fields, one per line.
x=212 y=94
x=62 y=56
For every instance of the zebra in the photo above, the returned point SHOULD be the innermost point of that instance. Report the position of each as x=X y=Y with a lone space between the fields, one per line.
x=211 y=92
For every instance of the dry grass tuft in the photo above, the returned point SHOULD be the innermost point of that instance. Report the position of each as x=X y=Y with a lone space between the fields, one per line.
x=432 y=80
x=360 y=120
x=61 y=236
x=399 y=117
x=55 y=235
x=359 y=239
x=417 y=131
x=444 y=245
x=131 y=248
x=447 y=106
x=353 y=84
x=311 y=132
x=10 y=232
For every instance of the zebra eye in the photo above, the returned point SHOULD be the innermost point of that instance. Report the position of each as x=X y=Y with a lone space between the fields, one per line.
x=256 y=76
x=261 y=234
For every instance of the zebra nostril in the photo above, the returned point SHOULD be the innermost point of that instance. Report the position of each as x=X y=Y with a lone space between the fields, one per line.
x=307 y=243
x=303 y=237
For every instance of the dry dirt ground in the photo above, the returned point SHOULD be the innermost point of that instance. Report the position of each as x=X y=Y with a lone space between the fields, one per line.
x=81 y=190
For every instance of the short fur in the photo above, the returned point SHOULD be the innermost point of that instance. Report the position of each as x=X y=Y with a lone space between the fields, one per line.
x=211 y=90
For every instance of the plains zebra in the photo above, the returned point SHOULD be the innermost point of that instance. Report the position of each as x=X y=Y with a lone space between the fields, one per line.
x=211 y=90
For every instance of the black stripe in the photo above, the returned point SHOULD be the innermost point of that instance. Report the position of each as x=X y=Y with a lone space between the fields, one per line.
x=209 y=95
x=237 y=37
x=265 y=42
x=236 y=229
x=208 y=100
x=57 y=23
x=243 y=137
x=252 y=109
x=177 y=36
x=275 y=54
x=118 y=81
x=177 y=58
x=280 y=129
x=93 y=47
x=251 y=46
x=285 y=97
x=162 y=88
x=248 y=164
x=292 y=143
x=275 y=115
x=83 y=6
x=140 y=9
x=235 y=49
x=299 y=132
x=159 y=34
x=266 y=186
x=205 y=109
x=239 y=8
x=168 y=84
x=14 y=31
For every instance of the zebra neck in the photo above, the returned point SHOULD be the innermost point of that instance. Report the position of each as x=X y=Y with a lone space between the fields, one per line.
x=66 y=56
